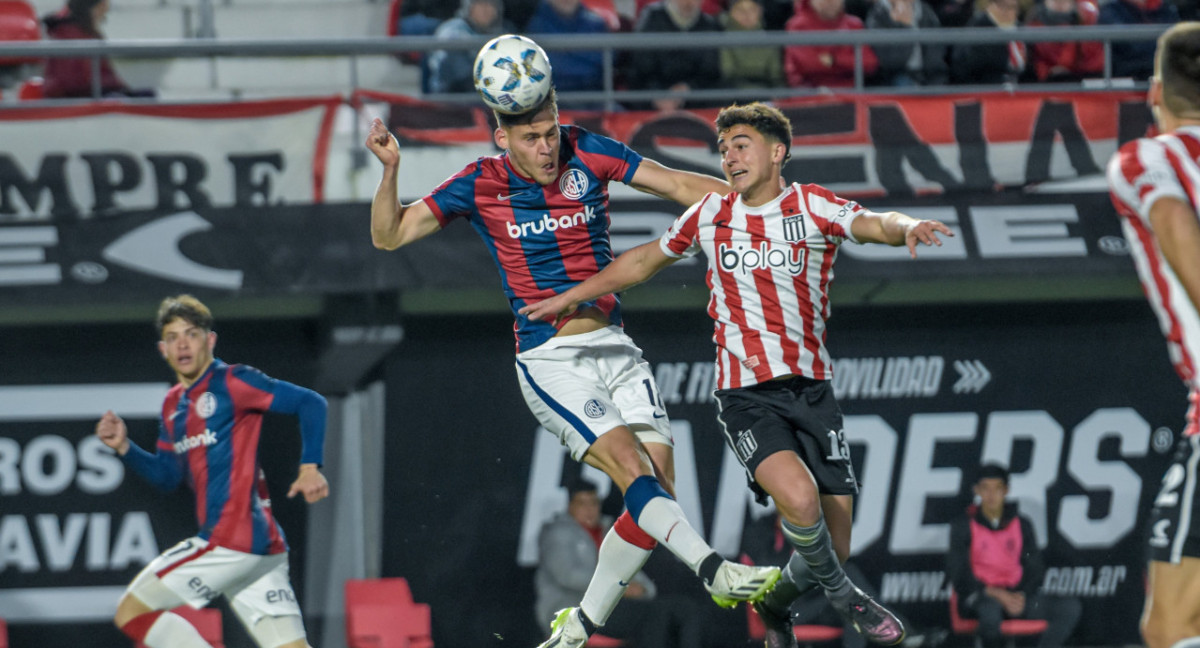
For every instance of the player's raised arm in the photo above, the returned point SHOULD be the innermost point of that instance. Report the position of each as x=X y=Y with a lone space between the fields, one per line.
x=394 y=224
x=895 y=229
x=684 y=187
x=629 y=269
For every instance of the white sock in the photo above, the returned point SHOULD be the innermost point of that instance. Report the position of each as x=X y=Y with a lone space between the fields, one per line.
x=173 y=631
x=664 y=521
x=619 y=561
x=1190 y=642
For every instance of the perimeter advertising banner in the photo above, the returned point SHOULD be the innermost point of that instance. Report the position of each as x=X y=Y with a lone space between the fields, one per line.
x=1078 y=400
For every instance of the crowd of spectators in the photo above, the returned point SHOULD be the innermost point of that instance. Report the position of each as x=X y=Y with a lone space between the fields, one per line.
x=672 y=73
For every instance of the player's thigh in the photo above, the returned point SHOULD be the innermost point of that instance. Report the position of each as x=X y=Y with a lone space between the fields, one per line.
x=268 y=608
x=1173 y=602
x=568 y=396
x=754 y=429
x=192 y=572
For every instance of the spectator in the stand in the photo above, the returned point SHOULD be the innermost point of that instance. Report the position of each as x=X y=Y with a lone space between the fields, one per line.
x=451 y=70
x=996 y=568
x=72 y=77
x=1136 y=58
x=675 y=71
x=953 y=13
x=422 y=17
x=824 y=66
x=709 y=7
x=750 y=66
x=914 y=63
x=990 y=63
x=574 y=70
x=1069 y=61
x=568 y=546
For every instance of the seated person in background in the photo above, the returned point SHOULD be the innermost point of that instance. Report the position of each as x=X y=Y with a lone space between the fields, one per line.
x=990 y=63
x=996 y=569
x=72 y=77
x=574 y=70
x=1070 y=61
x=675 y=70
x=568 y=546
x=749 y=67
x=824 y=66
x=451 y=70
x=1136 y=58
x=915 y=63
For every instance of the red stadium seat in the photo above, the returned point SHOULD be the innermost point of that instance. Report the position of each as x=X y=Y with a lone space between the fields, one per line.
x=31 y=89
x=207 y=622
x=380 y=613
x=18 y=22
x=3 y=634
x=1010 y=628
x=602 y=641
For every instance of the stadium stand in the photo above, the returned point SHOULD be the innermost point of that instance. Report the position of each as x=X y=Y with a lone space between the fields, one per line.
x=1011 y=628
x=381 y=613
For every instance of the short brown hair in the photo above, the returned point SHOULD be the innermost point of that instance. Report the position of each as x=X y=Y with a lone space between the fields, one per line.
x=1178 y=66
x=767 y=120
x=186 y=308
x=506 y=120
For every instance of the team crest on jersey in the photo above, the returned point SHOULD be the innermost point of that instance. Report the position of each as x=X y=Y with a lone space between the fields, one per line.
x=794 y=229
x=593 y=408
x=573 y=184
x=206 y=405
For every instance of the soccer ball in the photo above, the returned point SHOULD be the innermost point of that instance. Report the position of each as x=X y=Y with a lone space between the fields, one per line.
x=512 y=74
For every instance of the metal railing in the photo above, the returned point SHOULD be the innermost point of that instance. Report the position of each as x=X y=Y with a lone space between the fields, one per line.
x=610 y=45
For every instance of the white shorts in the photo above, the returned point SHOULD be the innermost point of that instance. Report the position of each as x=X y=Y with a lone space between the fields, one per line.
x=581 y=386
x=195 y=573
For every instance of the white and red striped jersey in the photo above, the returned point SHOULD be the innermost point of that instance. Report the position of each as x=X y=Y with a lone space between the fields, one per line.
x=769 y=269
x=1141 y=172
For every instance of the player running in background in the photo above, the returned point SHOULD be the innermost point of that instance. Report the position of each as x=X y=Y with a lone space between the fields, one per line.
x=208 y=437
x=770 y=251
x=1155 y=186
x=541 y=207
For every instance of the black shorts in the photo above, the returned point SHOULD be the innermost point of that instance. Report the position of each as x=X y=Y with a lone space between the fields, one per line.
x=1175 y=518
x=797 y=415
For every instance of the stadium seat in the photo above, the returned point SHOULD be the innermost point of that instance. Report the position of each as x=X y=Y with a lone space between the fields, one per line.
x=806 y=634
x=31 y=89
x=18 y=22
x=207 y=622
x=381 y=613
x=1010 y=628
x=3 y=634
x=602 y=641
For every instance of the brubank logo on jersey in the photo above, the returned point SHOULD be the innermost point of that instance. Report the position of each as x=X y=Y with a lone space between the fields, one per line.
x=550 y=223
x=189 y=443
x=764 y=257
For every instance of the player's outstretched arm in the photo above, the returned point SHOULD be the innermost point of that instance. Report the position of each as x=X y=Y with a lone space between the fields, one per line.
x=394 y=224
x=684 y=187
x=1178 y=234
x=629 y=269
x=310 y=483
x=894 y=228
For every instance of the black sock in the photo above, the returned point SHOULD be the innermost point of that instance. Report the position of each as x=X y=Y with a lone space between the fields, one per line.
x=588 y=626
x=709 y=566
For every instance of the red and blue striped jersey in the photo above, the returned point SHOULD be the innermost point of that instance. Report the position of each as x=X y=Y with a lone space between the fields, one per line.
x=544 y=239
x=212 y=429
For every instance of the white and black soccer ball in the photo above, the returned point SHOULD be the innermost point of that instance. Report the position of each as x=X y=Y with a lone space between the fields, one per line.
x=512 y=74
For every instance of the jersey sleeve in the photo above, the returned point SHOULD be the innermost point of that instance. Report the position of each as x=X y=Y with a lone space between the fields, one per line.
x=1139 y=174
x=682 y=239
x=455 y=197
x=606 y=157
x=161 y=468
x=832 y=213
x=274 y=395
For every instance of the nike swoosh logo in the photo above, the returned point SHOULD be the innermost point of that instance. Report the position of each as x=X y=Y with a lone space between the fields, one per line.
x=657 y=415
x=503 y=197
x=623 y=583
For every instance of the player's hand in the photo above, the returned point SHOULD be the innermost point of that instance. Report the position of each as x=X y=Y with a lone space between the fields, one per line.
x=383 y=144
x=113 y=433
x=926 y=233
x=551 y=310
x=310 y=483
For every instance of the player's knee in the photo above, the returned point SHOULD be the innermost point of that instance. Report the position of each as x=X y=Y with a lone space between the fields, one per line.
x=798 y=509
x=1160 y=633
